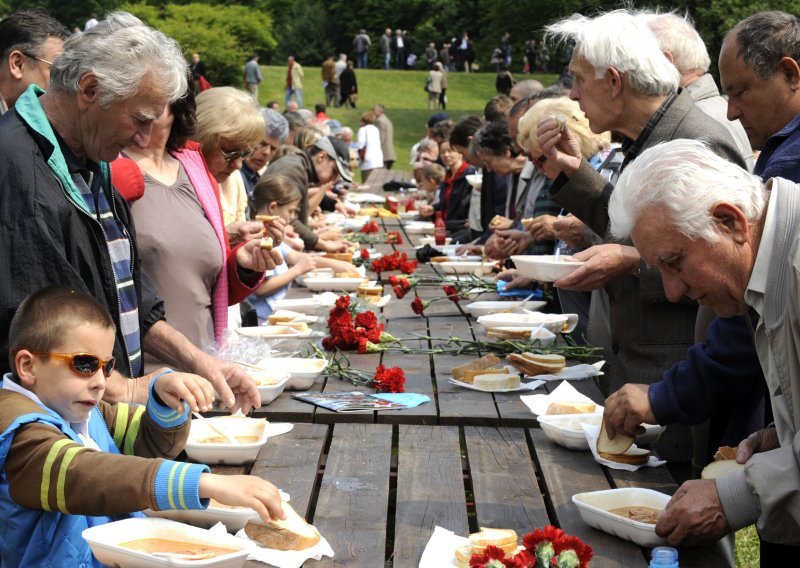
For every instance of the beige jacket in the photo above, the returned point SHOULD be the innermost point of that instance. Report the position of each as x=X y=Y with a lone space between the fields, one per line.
x=769 y=487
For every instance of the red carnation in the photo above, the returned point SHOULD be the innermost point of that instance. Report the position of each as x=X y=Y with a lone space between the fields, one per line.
x=451 y=292
x=550 y=533
x=367 y=320
x=492 y=556
x=394 y=280
x=404 y=283
x=365 y=254
x=343 y=302
x=583 y=551
x=398 y=291
x=389 y=380
x=362 y=344
x=418 y=306
x=328 y=343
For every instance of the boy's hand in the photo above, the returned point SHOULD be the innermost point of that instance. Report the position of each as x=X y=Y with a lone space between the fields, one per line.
x=175 y=388
x=243 y=491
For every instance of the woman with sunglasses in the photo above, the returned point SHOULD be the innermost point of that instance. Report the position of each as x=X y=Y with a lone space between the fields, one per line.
x=181 y=230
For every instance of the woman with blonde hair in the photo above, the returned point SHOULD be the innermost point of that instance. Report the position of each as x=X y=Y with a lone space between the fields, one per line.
x=180 y=229
x=368 y=144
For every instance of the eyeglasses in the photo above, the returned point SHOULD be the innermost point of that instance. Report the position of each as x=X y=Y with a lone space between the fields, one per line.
x=83 y=364
x=29 y=56
x=236 y=154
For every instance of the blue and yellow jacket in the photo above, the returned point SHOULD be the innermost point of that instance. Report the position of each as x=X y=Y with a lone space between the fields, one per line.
x=52 y=487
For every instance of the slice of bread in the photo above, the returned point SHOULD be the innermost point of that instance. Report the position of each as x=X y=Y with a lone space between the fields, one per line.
x=501 y=538
x=619 y=445
x=470 y=374
x=725 y=453
x=526 y=223
x=463 y=555
x=493 y=382
x=483 y=363
x=634 y=456
x=570 y=407
x=267 y=218
x=520 y=333
x=345 y=256
x=720 y=468
x=532 y=364
x=498 y=220
x=266 y=243
x=438 y=259
x=292 y=533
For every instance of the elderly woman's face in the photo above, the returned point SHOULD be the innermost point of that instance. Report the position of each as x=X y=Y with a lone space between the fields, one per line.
x=502 y=165
x=226 y=158
x=714 y=274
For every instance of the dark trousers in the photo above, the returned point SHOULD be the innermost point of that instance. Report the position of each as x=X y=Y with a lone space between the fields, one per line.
x=773 y=555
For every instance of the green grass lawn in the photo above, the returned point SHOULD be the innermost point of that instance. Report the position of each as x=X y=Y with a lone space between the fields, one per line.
x=401 y=92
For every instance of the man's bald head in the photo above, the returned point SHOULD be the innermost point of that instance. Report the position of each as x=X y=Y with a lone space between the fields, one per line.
x=525 y=89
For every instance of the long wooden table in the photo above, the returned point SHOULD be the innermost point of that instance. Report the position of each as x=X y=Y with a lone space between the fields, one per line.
x=377 y=484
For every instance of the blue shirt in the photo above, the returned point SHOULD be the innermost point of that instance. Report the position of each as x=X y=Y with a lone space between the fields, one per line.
x=780 y=156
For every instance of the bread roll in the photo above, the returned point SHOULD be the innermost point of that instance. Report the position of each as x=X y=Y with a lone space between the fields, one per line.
x=725 y=453
x=720 y=468
x=619 y=445
x=571 y=407
x=292 y=533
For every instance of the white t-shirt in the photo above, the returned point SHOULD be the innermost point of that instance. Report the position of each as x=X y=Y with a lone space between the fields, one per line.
x=370 y=137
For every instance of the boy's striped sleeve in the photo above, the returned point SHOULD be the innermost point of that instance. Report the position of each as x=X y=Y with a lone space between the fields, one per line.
x=177 y=485
x=163 y=415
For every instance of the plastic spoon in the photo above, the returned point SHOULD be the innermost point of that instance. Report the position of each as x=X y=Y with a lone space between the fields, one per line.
x=184 y=556
x=211 y=425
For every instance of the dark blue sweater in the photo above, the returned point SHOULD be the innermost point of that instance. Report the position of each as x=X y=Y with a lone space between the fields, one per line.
x=722 y=377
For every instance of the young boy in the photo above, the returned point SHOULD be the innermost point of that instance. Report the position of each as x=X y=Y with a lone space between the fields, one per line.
x=431 y=177
x=69 y=461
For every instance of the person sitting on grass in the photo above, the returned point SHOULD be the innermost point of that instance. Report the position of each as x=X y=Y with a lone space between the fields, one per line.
x=71 y=461
x=277 y=195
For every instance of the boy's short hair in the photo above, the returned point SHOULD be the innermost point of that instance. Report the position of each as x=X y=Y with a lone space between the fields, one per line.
x=432 y=171
x=42 y=319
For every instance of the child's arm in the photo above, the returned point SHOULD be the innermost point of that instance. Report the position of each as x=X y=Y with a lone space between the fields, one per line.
x=274 y=283
x=48 y=471
x=336 y=265
x=158 y=429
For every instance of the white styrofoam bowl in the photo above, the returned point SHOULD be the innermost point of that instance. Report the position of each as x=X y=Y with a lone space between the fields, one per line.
x=466 y=267
x=545 y=267
x=268 y=389
x=419 y=227
x=432 y=241
x=565 y=429
x=105 y=541
x=308 y=306
x=594 y=505
x=319 y=272
x=475 y=180
x=234 y=519
x=302 y=372
x=226 y=453
x=486 y=307
x=334 y=284
x=544 y=335
x=552 y=322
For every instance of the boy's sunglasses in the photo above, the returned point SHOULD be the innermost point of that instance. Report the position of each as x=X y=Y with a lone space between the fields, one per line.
x=83 y=364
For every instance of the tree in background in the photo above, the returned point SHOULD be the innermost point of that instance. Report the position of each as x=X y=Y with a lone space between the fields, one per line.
x=225 y=36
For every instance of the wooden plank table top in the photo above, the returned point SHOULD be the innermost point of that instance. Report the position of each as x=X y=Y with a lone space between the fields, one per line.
x=377 y=484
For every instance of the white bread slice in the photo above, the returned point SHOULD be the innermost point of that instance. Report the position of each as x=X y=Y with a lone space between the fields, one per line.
x=493 y=382
x=533 y=365
x=463 y=555
x=482 y=363
x=619 y=445
x=720 y=468
x=292 y=533
x=266 y=243
x=501 y=538
x=300 y=326
x=634 y=456
x=570 y=407
x=551 y=359
x=470 y=374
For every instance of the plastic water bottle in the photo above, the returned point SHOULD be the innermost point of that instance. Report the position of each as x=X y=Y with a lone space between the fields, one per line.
x=664 y=557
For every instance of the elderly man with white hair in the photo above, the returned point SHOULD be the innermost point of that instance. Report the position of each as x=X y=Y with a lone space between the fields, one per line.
x=725 y=238
x=61 y=220
x=624 y=83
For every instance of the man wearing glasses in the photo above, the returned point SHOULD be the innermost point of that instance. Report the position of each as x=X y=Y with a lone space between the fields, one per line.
x=29 y=42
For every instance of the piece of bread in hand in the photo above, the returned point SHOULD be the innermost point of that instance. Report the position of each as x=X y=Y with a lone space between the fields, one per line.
x=267 y=218
x=526 y=223
x=725 y=453
x=619 y=445
x=571 y=407
x=482 y=363
x=720 y=468
x=292 y=533
x=498 y=221
x=343 y=256
x=634 y=456
x=266 y=243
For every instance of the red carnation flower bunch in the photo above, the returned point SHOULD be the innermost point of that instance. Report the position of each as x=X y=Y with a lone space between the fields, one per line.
x=389 y=380
x=350 y=330
x=364 y=254
x=544 y=548
x=394 y=261
x=401 y=285
x=394 y=238
x=369 y=228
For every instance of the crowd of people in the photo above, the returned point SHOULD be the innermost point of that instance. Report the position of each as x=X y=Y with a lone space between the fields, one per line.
x=128 y=223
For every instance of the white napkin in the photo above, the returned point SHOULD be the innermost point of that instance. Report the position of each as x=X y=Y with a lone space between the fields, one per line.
x=574 y=373
x=565 y=392
x=326 y=299
x=288 y=558
x=592 y=432
x=278 y=428
x=440 y=552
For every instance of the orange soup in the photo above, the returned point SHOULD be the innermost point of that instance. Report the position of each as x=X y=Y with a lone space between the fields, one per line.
x=221 y=440
x=642 y=514
x=151 y=545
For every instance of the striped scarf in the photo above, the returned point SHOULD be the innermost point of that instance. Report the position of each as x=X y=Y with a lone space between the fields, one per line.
x=120 y=251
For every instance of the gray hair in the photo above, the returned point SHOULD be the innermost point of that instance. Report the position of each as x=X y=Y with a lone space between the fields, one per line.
x=121 y=51
x=677 y=35
x=620 y=40
x=277 y=125
x=764 y=38
x=687 y=179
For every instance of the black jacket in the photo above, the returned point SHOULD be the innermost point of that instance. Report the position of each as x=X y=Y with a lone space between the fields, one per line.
x=46 y=239
x=458 y=205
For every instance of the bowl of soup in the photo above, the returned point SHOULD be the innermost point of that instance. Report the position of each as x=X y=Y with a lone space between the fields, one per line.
x=629 y=513
x=207 y=445
x=152 y=543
